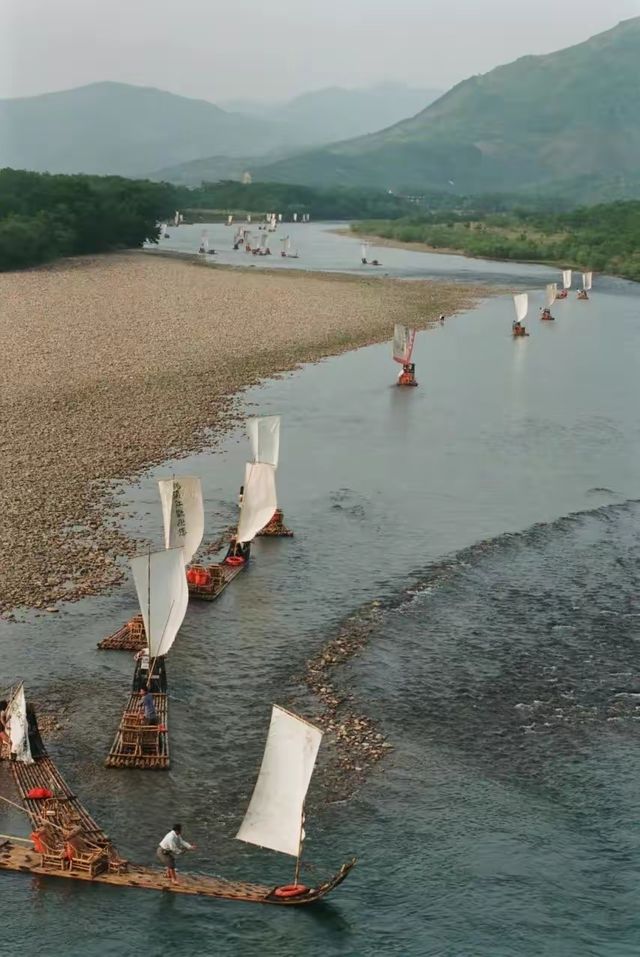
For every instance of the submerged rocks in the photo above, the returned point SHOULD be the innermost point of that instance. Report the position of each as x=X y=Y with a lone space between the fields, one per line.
x=359 y=741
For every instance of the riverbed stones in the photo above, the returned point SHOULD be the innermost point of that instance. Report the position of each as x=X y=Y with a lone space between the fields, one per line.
x=113 y=364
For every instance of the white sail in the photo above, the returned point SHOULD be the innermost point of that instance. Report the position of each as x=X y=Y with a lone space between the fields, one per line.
x=295 y=217
x=163 y=230
x=204 y=241
x=229 y=219
x=364 y=249
x=18 y=727
x=587 y=278
x=403 y=340
x=182 y=514
x=279 y=217
x=550 y=293
x=521 y=302
x=264 y=435
x=248 y=217
x=161 y=585
x=566 y=278
x=176 y=218
x=260 y=500
x=274 y=815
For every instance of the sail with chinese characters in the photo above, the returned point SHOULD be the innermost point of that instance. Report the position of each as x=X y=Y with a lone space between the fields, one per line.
x=182 y=514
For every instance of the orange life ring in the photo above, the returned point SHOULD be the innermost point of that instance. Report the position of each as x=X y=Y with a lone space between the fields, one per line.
x=290 y=890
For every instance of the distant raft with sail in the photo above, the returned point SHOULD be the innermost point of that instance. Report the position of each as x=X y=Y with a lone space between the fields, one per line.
x=587 y=279
x=550 y=295
x=521 y=304
x=403 y=342
x=69 y=843
x=566 y=284
x=161 y=586
x=264 y=437
x=275 y=817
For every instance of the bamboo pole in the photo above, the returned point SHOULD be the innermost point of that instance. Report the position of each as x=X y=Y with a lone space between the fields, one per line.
x=300 y=840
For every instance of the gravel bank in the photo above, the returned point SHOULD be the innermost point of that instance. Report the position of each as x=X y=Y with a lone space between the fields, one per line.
x=112 y=364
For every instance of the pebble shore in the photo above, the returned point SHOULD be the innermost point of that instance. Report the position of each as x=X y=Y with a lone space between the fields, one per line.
x=114 y=364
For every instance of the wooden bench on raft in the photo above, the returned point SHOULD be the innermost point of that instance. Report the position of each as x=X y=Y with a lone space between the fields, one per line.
x=130 y=637
x=208 y=581
x=139 y=745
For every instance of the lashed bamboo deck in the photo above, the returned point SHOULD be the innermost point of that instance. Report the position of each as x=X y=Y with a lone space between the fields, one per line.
x=15 y=858
x=141 y=746
x=212 y=591
x=44 y=774
x=131 y=637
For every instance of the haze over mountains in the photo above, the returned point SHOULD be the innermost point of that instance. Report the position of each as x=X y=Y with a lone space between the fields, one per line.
x=135 y=131
x=568 y=120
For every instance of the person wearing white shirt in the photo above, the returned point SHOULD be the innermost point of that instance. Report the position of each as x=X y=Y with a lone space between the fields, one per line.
x=170 y=847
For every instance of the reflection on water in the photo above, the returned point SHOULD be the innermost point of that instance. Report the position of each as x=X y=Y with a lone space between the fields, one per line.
x=502 y=823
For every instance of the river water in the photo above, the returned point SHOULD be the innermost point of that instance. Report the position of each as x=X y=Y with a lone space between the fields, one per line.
x=493 y=511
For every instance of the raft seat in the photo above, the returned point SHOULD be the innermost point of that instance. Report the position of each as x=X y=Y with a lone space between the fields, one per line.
x=84 y=859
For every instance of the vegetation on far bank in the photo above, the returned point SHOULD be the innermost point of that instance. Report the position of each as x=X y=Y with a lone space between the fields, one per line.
x=603 y=238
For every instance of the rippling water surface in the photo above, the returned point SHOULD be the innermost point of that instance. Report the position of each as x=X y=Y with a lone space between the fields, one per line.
x=493 y=511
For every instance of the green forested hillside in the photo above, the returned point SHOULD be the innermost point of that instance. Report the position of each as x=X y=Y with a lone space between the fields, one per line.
x=567 y=122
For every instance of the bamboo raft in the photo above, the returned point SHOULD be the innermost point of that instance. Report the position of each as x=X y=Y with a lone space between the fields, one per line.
x=15 y=858
x=130 y=637
x=276 y=527
x=220 y=574
x=64 y=804
x=138 y=745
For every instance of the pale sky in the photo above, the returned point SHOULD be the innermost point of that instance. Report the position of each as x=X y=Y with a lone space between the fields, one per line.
x=274 y=49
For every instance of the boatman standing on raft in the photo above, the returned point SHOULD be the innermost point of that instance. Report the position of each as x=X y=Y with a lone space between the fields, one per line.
x=170 y=847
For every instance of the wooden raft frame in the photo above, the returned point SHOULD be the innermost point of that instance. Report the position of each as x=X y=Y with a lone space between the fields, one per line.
x=212 y=591
x=16 y=858
x=130 y=637
x=138 y=745
x=44 y=774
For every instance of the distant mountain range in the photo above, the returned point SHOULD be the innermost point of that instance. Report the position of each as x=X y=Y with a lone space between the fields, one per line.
x=336 y=113
x=135 y=131
x=570 y=118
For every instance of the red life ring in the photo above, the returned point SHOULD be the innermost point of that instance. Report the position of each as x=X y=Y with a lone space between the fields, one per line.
x=290 y=890
x=234 y=560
